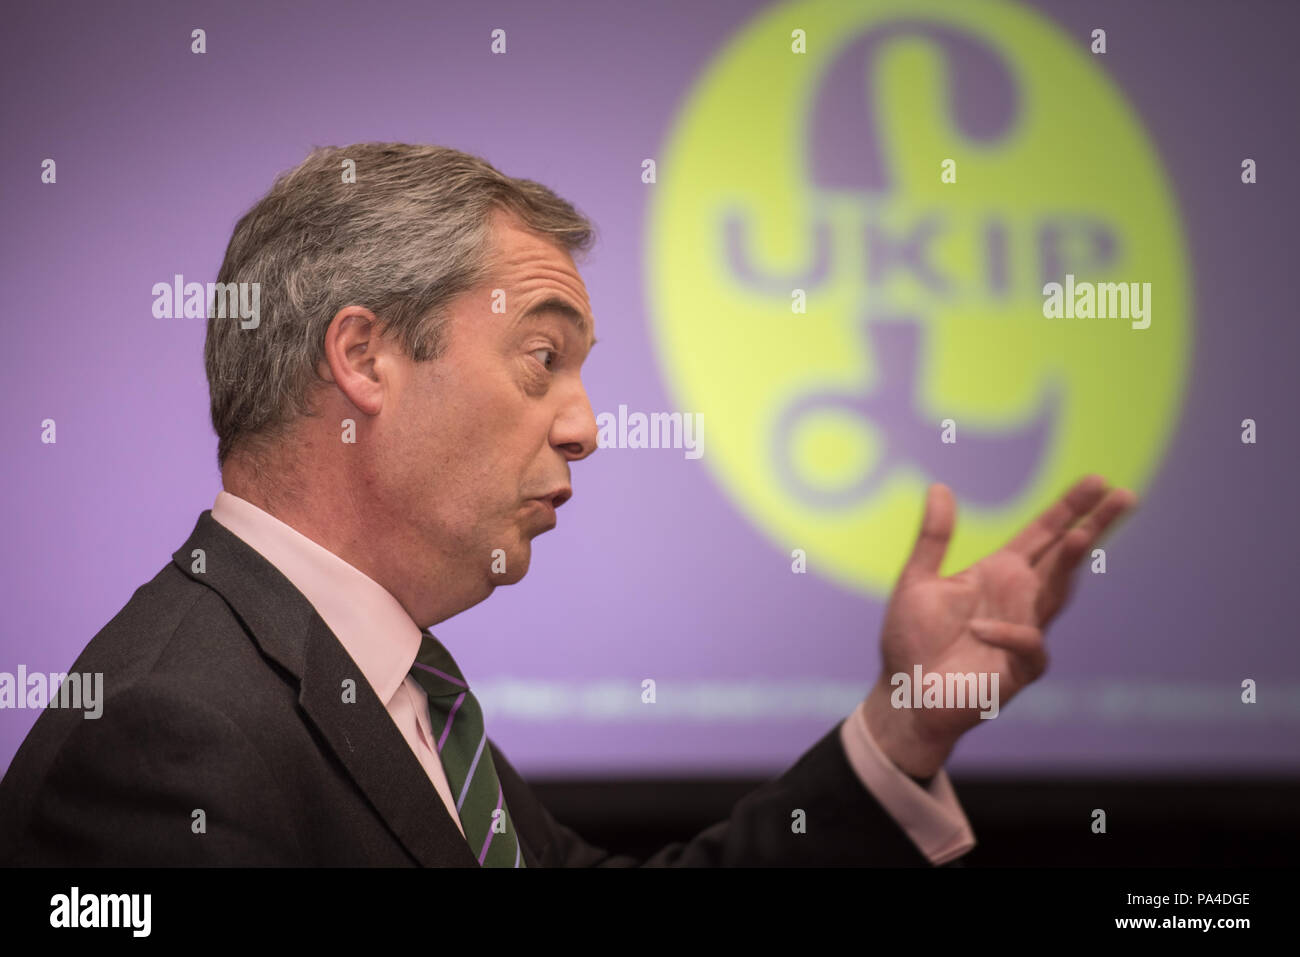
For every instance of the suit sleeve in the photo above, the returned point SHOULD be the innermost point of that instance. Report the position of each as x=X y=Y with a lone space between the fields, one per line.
x=817 y=814
x=124 y=789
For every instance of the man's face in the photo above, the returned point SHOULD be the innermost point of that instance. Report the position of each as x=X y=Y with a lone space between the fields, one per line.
x=475 y=457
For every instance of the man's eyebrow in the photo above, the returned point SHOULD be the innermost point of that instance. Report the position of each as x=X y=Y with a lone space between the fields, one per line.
x=564 y=308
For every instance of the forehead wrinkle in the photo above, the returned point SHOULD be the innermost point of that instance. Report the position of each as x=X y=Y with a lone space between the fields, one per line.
x=531 y=266
x=554 y=304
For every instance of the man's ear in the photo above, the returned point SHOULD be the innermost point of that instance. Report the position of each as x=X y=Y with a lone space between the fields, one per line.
x=356 y=358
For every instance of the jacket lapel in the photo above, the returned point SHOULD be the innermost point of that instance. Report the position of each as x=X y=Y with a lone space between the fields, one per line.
x=361 y=733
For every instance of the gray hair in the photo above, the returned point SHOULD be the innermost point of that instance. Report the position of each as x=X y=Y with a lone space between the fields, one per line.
x=408 y=237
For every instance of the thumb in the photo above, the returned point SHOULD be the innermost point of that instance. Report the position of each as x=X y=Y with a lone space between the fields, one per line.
x=936 y=531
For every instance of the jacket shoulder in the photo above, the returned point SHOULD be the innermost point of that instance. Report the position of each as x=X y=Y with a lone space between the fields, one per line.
x=162 y=685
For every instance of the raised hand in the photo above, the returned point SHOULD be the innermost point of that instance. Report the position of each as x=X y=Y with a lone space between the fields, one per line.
x=988 y=618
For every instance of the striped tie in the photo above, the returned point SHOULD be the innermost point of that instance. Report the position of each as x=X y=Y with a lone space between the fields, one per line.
x=462 y=745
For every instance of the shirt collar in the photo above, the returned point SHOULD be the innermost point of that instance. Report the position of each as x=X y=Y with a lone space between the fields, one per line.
x=368 y=621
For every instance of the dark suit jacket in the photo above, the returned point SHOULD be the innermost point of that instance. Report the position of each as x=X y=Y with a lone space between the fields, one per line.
x=223 y=692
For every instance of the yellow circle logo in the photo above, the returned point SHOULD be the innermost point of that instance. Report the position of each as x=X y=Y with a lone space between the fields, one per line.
x=857 y=218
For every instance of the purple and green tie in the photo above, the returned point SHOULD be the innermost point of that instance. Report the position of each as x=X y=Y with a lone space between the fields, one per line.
x=462 y=746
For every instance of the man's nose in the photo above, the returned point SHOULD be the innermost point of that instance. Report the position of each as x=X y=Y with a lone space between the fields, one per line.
x=574 y=432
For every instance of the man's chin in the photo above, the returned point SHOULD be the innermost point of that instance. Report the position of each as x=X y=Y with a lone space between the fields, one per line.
x=510 y=567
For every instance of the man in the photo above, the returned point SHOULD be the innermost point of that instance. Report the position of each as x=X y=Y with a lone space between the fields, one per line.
x=393 y=432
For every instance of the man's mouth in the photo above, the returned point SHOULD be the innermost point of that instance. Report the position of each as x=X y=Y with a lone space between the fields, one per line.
x=554 y=499
x=544 y=505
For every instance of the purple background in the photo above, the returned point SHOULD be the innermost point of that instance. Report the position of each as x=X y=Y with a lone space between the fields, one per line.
x=159 y=152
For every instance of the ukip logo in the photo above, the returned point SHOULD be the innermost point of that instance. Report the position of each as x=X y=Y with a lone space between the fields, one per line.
x=807 y=165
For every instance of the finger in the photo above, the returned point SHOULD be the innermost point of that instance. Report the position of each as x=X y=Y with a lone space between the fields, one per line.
x=1056 y=568
x=1021 y=639
x=1042 y=532
x=1100 y=519
x=1066 y=551
x=1025 y=643
x=936 y=531
x=1058 y=563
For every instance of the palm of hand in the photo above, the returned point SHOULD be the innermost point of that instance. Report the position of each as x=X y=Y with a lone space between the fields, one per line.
x=929 y=623
x=990 y=617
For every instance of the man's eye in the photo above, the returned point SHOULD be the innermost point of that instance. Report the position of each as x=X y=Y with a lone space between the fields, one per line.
x=549 y=352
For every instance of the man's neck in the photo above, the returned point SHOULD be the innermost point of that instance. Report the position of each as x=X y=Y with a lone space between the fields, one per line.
x=327 y=512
